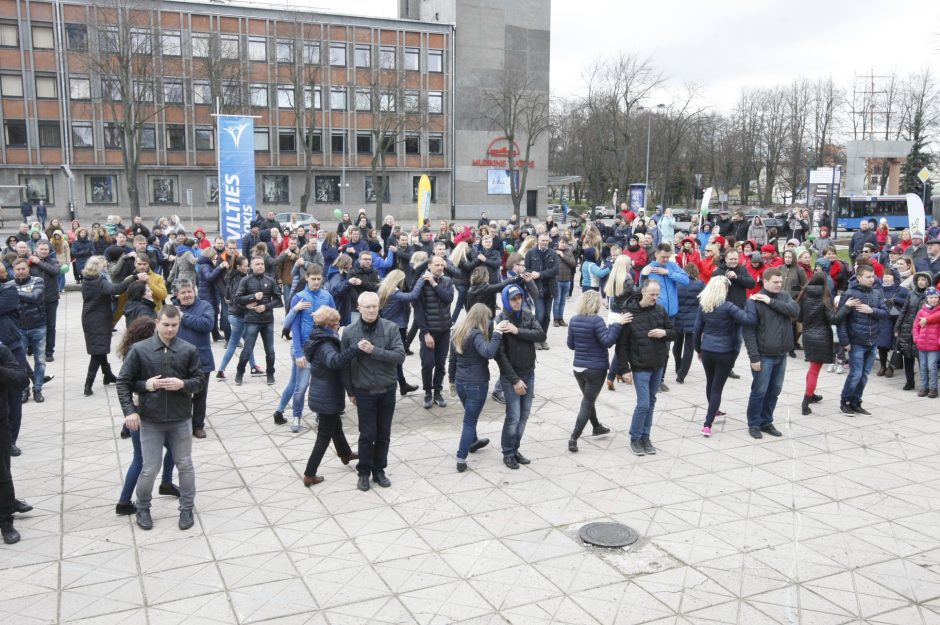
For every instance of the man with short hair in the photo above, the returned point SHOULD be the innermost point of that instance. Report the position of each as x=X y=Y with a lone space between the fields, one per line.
x=197 y=319
x=858 y=321
x=542 y=263
x=371 y=380
x=768 y=344
x=931 y=260
x=44 y=265
x=259 y=295
x=163 y=371
x=860 y=237
x=432 y=317
x=32 y=323
x=670 y=276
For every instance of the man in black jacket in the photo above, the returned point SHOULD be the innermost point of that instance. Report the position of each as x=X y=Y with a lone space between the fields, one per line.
x=858 y=322
x=363 y=278
x=259 y=294
x=768 y=344
x=10 y=336
x=12 y=382
x=741 y=283
x=516 y=359
x=542 y=262
x=32 y=322
x=45 y=266
x=164 y=373
x=432 y=316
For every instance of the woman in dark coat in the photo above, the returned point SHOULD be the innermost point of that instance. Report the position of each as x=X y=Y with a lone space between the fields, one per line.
x=904 y=326
x=395 y=305
x=209 y=275
x=816 y=314
x=684 y=322
x=895 y=298
x=139 y=303
x=327 y=395
x=97 y=299
x=82 y=249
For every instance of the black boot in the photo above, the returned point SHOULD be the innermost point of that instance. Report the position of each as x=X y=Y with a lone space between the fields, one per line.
x=89 y=380
x=806 y=400
x=109 y=377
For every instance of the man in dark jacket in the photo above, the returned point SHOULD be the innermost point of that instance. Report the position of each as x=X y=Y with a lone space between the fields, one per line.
x=165 y=373
x=32 y=322
x=931 y=260
x=259 y=294
x=432 y=316
x=363 y=278
x=862 y=236
x=858 y=320
x=10 y=336
x=12 y=382
x=516 y=360
x=370 y=381
x=44 y=265
x=741 y=283
x=542 y=263
x=768 y=344
x=196 y=322
x=741 y=226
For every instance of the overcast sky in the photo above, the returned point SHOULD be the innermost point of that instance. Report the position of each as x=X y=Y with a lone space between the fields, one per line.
x=723 y=45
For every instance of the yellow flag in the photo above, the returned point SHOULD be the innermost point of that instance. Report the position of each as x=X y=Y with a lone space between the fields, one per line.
x=424 y=200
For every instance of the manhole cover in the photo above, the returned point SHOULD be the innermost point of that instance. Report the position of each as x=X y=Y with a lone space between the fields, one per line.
x=608 y=535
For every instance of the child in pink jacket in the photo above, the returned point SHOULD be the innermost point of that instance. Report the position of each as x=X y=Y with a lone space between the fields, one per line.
x=927 y=340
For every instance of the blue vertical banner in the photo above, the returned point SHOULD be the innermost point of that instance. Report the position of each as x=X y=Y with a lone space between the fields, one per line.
x=637 y=197
x=236 y=143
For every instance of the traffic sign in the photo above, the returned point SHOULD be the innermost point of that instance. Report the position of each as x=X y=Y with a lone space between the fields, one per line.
x=923 y=174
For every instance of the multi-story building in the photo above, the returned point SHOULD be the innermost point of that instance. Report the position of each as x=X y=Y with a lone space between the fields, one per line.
x=325 y=90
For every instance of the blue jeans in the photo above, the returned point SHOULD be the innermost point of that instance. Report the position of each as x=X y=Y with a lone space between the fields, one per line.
x=561 y=294
x=36 y=338
x=517 y=412
x=461 y=301
x=647 y=385
x=137 y=463
x=60 y=281
x=765 y=388
x=543 y=308
x=252 y=330
x=301 y=382
x=237 y=325
x=861 y=360
x=928 y=369
x=288 y=393
x=472 y=396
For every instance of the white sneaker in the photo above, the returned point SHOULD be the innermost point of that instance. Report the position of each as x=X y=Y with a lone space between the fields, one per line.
x=831 y=368
x=840 y=369
x=295 y=425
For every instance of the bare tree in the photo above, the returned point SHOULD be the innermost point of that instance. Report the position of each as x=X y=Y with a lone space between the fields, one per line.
x=826 y=97
x=748 y=120
x=676 y=123
x=304 y=75
x=799 y=100
x=222 y=68
x=521 y=113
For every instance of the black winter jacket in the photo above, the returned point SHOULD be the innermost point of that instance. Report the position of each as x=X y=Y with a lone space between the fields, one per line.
x=12 y=377
x=635 y=350
x=327 y=362
x=97 y=295
x=546 y=264
x=32 y=302
x=48 y=270
x=375 y=373
x=684 y=320
x=493 y=262
x=10 y=315
x=149 y=358
x=773 y=334
x=737 y=292
x=904 y=326
x=856 y=328
x=817 y=321
x=432 y=308
x=486 y=293
x=517 y=353
x=270 y=297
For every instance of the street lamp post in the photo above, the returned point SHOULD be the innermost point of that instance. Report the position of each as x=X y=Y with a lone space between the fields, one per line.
x=649 y=128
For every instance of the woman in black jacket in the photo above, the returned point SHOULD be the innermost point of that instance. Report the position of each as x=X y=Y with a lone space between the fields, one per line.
x=904 y=327
x=642 y=351
x=461 y=266
x=682 y=348
x=97 y=297
x=327 y=395
x=236 y=316
x=816 y=314
x=139 y=303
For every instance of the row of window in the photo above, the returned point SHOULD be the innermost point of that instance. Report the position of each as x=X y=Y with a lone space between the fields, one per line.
x=112 y=40
x=203 y=138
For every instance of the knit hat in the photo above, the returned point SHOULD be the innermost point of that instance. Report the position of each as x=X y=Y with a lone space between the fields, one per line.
x=757 y=258
x=770 y=249
x=720 y=240
x=793 y=241
x=917 y=235
x=931 y=291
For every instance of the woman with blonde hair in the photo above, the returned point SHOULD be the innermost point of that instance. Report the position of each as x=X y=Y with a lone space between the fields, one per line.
x=472 y=349
x=462 y=266
x=395 y=305
x=620 y=286
x=591 y=338
x=418 y=259
x=528 y=244
x=97 y=294
x=715 y=339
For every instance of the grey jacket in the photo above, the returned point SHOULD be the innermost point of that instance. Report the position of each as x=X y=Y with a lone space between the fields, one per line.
x=373 y=374
x=149 y=358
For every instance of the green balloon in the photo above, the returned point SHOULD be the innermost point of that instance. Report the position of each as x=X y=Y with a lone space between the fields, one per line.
x=510 y=249
x=338 y=213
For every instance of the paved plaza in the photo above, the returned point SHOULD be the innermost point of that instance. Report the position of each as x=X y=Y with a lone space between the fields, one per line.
x=836 y=522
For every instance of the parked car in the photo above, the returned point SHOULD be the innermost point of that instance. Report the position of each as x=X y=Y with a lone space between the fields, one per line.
x=770 y=220
x=301 y=219
x=606 y=212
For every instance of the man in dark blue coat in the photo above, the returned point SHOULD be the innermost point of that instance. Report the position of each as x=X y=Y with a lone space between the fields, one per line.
x=196 y=321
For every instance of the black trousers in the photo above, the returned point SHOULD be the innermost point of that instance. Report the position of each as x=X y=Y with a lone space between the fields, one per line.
x=52 y=309
x=434 y=361
x=375 y=429
x=7 y=493
x=717 y=367
x=199 y=405
x=15 y=399
x=329 y=430
x=590 y=381
x=682 y=352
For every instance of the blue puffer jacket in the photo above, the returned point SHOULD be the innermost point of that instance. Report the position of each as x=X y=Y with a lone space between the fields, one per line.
x=856 y=328
x=398 y=306
x=668 y=285
x=472 y=366
x=684 y=320
x=209 y=281
x=302 y=325
x=717 y=331
x=895 y=298
x=590 y=338
x=196 y=327
x=327 y=393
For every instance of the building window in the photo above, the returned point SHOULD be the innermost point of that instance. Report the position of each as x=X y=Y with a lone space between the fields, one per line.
x=170 y=43
x=436 y=61
x=391 y=142
x=257 y=49
x=111 y=89
x=287 y=141
x=387 y=57
x=327 y=189
x=436 y=143
x=76 y=37
x=100 y=189
x=82 y=135
x=205 y=138
x=14 y=131
x=228 y=46
x=363 y=56
x=148 y=137
x=172 y=91
x=387 y=101
x=262 y=140
x=412 y=101
x=42 y=38
x=285 y=51
x=412 y=59
x=50 y=135
x=412 y=144
x=11 y=86
x=370 y=191
x=315 y=140
x=141 y=41
x=202 y=92
x=338 y=54
x=338 y=98
x=201 y=45
x=142 y=91
x=163 y=190
x=312 y=99
x=38 y=188
x=259 y=95
x=275 y=189
x=364 y=142
x=9 y=36
x=107 y=39
x=435 y=102
x=113 y=136
x=363 y=100
x=312 y=53
x=212 y=189
x=414 y=188
x=338 y=142
x=79 y=88
x=285 y=97
x=47 y=87
x=175 y=137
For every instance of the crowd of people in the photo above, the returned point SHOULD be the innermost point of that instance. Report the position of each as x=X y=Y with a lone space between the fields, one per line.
x=356 y=297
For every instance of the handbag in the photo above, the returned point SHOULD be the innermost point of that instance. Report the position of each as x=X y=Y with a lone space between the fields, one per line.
x=896 y=360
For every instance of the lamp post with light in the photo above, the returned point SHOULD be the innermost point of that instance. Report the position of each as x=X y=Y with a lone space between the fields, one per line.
x=649 y=128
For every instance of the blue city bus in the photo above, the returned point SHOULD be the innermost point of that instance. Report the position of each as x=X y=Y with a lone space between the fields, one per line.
x=852 y=210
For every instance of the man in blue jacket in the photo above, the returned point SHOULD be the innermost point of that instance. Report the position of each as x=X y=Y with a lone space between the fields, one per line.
x=858 y=321
x=197 y=319
x=669 y=275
